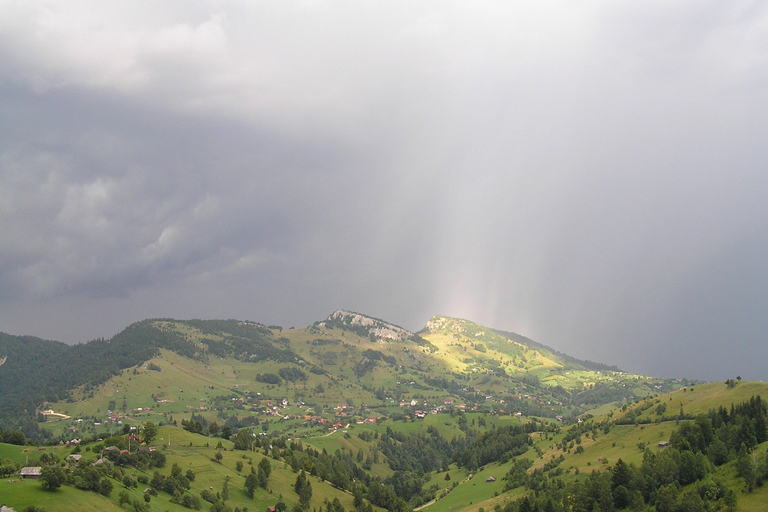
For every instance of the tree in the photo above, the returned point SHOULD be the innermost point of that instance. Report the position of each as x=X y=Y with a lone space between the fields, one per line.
x=745 y=467
x=303 y=488
x=139 y=506
x=49 y=458
x=105 y=486
x=266 y=466
x=220 y=506
x=16 y=438
x=334 y=506
x=243 y=440
x=149 y=432
x=123 y=498
x=251 y=483
x=691 y=502
x=730 y=500
x=692 y=467
x=666 y=498
x=262 y=478
x=129 y=481
x=225 y=490
x=52 y=477
x=192 y=426
x=620 y=475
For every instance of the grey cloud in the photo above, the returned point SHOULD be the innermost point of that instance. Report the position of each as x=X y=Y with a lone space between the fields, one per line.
x=573 y=172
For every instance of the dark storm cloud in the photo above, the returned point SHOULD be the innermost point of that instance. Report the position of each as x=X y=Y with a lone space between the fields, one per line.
x=589 y=175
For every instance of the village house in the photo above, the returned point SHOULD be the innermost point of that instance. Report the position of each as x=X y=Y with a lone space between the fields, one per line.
x=30 y=472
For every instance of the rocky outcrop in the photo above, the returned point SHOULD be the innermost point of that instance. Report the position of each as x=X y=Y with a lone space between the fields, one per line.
x=366 y=326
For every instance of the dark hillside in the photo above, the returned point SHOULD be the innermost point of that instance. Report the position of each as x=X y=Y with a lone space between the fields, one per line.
x=36 y=371
x=29 y=374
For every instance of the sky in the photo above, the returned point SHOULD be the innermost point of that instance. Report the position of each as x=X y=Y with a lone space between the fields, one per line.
x=592 y=174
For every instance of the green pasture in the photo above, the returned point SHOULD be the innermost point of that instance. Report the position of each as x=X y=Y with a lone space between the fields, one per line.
x=472 y=492
x=20 y=494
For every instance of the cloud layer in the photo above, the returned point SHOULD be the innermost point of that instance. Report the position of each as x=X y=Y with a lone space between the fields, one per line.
x=590 y=175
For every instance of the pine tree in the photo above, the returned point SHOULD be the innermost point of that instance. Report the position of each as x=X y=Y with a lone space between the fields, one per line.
x=303 y=488
x=250 y=484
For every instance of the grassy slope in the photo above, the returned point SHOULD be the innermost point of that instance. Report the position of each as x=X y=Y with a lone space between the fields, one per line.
x=620 y=442
x=466 y=347
x=198 y=457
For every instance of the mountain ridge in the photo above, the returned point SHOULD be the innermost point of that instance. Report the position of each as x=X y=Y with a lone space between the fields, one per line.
x=450 y=357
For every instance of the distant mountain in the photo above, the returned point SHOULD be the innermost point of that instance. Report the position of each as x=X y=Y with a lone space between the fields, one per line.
x=348 y=357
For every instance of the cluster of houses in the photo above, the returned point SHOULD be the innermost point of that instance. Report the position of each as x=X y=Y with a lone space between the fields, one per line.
x=34 y=472
x=273 y=408
x=331 y=424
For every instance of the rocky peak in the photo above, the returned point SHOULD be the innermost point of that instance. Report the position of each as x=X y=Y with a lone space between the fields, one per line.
x=366 y=325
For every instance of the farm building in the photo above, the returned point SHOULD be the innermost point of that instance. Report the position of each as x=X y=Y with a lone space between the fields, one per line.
x=30 y=472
